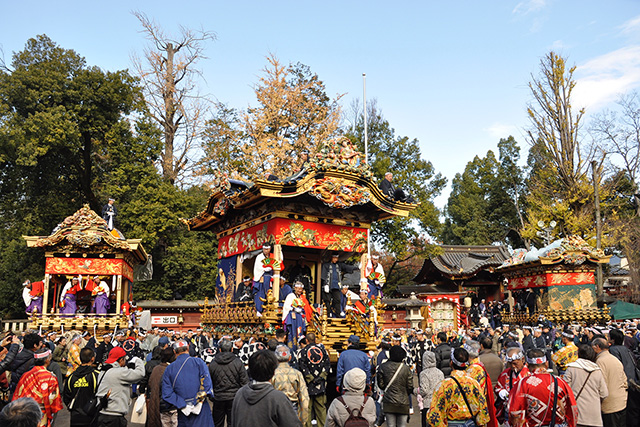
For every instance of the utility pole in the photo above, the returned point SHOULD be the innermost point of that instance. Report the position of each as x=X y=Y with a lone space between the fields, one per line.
x=596 y=193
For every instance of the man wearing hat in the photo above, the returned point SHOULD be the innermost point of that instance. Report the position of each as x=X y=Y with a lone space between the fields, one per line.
x=42 y=386
x=535 y=398
x=262 y=272
x=331 y=280
x=353 y=357
x=296 y=311
x=567 y=354
x=375 y=277
x=109 y=212
x=116 y=382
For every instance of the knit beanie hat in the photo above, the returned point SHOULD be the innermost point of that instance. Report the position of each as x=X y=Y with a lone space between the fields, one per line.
x=354 y=380
x=397 y=353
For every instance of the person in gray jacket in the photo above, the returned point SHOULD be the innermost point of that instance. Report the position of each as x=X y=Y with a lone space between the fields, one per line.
x=116 y=383
x=430 y=379
x=353 y=383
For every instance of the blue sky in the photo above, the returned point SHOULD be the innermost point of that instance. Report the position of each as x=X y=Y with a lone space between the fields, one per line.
x=451 y=74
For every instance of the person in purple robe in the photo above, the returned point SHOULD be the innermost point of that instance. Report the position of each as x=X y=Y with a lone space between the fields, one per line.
x=68 y=296
x=101 y=293
x=32 y=295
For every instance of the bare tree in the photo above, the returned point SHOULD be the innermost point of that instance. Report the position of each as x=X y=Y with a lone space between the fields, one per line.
x=168 y=74
x=618 y=133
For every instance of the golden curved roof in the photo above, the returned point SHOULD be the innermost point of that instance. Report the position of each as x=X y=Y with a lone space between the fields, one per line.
x=85 y=230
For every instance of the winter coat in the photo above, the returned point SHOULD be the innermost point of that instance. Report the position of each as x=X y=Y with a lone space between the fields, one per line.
x=154 y=396
x=443 y=358
x=624 y=355
x=353 y=358
x=353 y=397
x=119 y=379
x=430 y=377
x=148 y=369
x=227 y=375
x=22 y=363
x=594 y=389
x=9 y=357
x=396 y=399
x=492 y=363
x=259 y=404
x=616 y=380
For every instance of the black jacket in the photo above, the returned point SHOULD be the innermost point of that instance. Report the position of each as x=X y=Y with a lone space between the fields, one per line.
x=21 y=364
x=227 y=375
x=81 y=385
x=443 y=358
x=625 y=356
x=148 y=368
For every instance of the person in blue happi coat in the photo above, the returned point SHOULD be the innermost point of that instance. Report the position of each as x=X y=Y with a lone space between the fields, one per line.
x=186 y=383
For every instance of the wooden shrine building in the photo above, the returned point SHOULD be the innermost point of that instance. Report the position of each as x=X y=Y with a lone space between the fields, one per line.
x=82 y=245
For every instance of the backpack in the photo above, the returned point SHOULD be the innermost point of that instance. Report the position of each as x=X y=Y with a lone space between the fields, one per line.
x=355 y=416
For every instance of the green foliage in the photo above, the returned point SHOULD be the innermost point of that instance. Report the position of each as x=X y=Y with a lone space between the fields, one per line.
x=484 y=204
x=403 y=238
x=67 y=138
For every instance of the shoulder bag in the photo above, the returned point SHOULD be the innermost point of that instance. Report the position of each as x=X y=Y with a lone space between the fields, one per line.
x=464 y=396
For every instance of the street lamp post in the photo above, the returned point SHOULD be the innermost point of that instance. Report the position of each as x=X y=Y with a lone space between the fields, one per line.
x=546 y=231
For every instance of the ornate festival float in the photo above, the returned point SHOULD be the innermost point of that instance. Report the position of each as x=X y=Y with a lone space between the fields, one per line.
x=323 y=210
x=88 y=275
x=556 y=282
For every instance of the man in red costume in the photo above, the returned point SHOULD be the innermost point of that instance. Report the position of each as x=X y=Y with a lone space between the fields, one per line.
x=42 y=386
x=508 y=381
x=542 y=399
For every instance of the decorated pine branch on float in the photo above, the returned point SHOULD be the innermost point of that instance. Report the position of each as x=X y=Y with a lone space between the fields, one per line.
x=326 y=207
x=561 y=278
x=98 y=262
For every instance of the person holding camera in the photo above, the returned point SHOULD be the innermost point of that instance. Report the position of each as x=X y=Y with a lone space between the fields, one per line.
x=114 y=389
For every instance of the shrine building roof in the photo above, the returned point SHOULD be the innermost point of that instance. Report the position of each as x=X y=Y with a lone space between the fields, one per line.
x=458 y=262
x=85 y=231
x=327 y=187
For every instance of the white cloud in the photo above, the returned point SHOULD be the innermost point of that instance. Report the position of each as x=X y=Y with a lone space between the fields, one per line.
x=602 y=79
x=501 y=130
x=631 y=26
x=559 y=46
x=529 y=6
